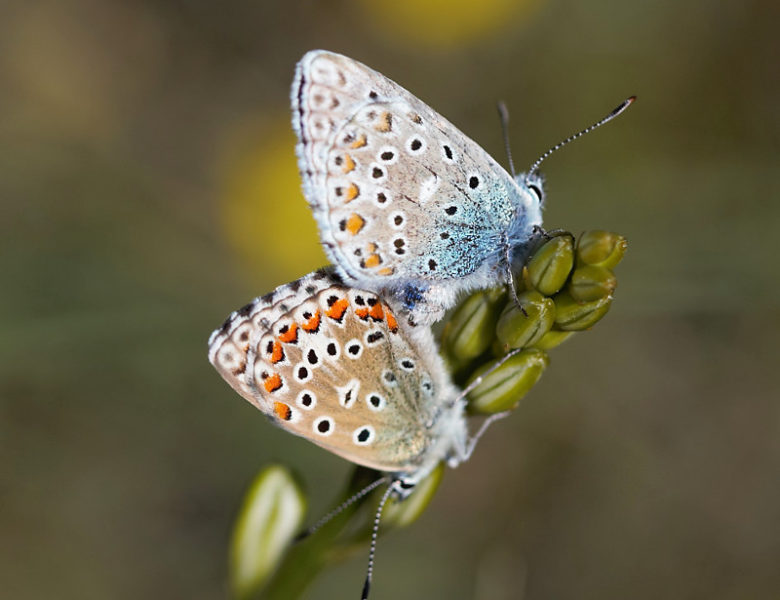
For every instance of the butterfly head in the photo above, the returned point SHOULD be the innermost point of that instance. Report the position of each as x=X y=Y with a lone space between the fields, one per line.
x=532 y=185
x=527 y=200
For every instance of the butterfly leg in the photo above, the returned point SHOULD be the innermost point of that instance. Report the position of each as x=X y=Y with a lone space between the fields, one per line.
x=510 y=276
x=472 y=442
x=538 y=232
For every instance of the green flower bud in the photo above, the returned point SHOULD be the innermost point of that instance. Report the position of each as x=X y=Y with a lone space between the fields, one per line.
x=517 y=330
x=550 y=266
x=553 y=338
x=590 y=283
x=271 y=515
x=469 y=331
x=571 y=315
x=601 y=249
x=405 y=512
x=497 y=349
x=502 y=387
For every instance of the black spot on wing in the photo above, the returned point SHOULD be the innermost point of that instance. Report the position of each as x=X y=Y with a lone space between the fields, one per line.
x=223 y=329
x=245 y=310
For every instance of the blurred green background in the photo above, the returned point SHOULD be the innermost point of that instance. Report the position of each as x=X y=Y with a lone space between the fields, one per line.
x=148 y=187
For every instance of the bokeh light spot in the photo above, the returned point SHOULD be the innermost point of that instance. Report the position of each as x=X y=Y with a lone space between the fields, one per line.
x=447 y=23
x=264 y=214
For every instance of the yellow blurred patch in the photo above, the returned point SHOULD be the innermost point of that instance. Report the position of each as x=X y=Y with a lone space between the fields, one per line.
x=264 y=214
x=447 y=23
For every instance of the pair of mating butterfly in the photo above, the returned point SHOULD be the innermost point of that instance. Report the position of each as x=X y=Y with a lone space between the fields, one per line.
x=412 y=212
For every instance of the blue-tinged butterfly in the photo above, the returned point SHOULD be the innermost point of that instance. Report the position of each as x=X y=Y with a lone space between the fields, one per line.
x=406 y=204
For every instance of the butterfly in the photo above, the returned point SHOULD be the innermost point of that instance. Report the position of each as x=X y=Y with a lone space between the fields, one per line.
x=332 y=364
x=406 y=204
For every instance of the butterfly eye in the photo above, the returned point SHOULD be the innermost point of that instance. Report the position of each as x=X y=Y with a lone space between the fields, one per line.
x=537 y=191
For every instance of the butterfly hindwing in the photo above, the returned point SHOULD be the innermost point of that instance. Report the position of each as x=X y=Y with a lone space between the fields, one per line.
x=336 y=368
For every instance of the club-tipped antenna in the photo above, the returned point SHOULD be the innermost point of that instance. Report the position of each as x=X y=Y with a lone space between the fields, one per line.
x=340 y=508
x=374 y=534
x=623 y=106
x=503 y=114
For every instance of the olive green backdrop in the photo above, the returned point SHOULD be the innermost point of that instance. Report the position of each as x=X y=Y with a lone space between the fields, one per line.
x=148 y=187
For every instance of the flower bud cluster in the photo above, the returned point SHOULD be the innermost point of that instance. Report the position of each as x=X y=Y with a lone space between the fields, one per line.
x=566 y=286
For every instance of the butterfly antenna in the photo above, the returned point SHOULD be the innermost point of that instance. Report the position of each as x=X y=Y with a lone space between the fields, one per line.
x=374 y=534
x=623 y=106
x=503 y=114
x=344 y=505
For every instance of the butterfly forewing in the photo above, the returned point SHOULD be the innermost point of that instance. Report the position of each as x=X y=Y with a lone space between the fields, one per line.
x=397 y=190
x=229 y=345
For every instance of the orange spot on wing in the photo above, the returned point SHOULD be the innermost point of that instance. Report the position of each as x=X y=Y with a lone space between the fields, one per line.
x=385 y=122
x=277 y=353
x=360 y=142
x=391 y=322
x=240 y=369
x=312 y=324
x=362 y=313
x=282 y=411
x=386 y=271
x=273 y=382
x=355 y=223
x=376 y=312
x=337 y=309
x=289 y=336
x=352 y=192
x=372 y=261
x=349 y=164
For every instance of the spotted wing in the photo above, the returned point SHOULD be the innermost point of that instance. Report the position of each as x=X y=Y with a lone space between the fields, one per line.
x=399 y=193
x=229 y=345
x=338 y=370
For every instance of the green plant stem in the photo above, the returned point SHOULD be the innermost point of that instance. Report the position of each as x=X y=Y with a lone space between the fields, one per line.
x=311 y=555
